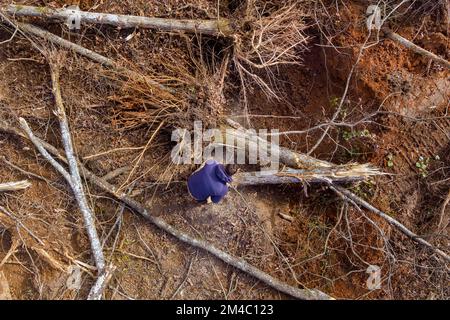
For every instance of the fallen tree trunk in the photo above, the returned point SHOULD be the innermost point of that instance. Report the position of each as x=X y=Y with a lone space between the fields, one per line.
x=291 y=158
x=290 y=176
x=36 y=31
x=308 y=166
x=286 y=156
x=220 y=27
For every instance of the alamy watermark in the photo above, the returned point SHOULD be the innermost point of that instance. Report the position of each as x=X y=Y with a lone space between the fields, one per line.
x=373 y=14
x=73 y=282
x=227 y=146
x=373 y=282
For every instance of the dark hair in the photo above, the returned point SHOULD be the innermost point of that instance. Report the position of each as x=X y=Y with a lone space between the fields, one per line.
x=230 y=169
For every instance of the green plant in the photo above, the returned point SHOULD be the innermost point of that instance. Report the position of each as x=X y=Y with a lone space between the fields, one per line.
x=348 y=135
x=334 y=102
x=390 y=160
x=422 y=165
x=365 y=189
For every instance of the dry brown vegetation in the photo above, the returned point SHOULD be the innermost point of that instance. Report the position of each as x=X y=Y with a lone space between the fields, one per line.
x=308 y=68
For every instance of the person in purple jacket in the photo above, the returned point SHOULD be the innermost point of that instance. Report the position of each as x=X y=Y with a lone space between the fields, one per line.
x=210 y=182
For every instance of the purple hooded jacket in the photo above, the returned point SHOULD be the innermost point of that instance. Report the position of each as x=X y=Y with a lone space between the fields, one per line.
x=210 y=181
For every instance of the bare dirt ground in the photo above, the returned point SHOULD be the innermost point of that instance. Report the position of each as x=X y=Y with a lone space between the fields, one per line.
x=327 y=244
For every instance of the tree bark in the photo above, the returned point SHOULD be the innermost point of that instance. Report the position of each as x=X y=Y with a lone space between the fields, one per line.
x=77 y=185
x=291 y=176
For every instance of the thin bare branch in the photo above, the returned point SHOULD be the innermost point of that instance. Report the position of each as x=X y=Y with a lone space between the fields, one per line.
x=14 y=186
x=408 y=44
x=399 y=226
x=77 y=185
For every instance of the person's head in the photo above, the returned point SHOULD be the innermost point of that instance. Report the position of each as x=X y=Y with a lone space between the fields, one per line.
x=230 y=169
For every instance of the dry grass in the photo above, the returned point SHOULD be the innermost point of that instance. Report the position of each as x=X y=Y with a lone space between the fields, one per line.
x=271 y=35
x=182 y=88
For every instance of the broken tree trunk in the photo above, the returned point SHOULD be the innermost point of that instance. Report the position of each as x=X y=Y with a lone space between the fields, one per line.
x=220 y=27
x=286 y=156
x=290 y=176
x=77 y=184
x=291 y=158
x=308 y=167
x=74 y=180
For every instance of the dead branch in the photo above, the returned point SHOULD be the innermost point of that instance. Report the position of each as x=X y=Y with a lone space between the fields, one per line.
x=115 y=173
x=77 y=185
x=286 y=217
x=95 y=293
x=27 y=173
x=14 y=186
x=49 y=259
x=357 y=201
x=44 y=152
x=91 y=55
x=36 y=31
x=408 y=44
x=19 y=223
x=79 y=195
x=97 y=290
x=239 y=263
x=73 y=179
x=219 y=27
